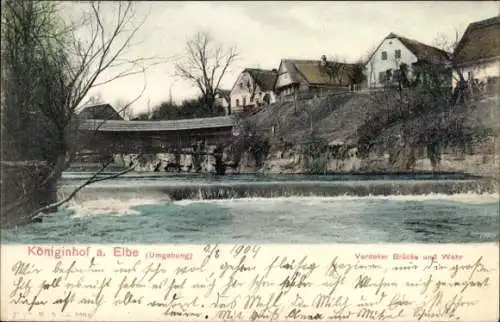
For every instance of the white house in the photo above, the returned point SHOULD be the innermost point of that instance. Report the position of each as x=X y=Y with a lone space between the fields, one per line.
x=477 y=55
x=385 y=62
x=253 y=88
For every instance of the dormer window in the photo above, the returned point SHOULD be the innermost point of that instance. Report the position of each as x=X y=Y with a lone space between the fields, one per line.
x=384 y=55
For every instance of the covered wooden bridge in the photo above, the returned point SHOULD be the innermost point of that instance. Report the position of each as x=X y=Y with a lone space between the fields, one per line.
x=120 y=136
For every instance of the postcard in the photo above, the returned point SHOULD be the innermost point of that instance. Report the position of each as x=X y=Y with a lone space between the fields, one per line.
x=250 y=161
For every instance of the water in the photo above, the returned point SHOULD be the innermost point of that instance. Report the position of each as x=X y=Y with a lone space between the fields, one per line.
x=163 y=208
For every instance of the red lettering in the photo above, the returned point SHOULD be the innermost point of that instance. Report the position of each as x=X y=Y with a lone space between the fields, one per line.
x=404 y=257
x=452 y=256
x=125 y=252
x=371 y=256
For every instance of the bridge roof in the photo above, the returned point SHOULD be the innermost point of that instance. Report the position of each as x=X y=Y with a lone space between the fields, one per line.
x=150 y=126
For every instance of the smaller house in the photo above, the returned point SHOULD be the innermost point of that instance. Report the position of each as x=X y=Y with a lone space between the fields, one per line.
x=223 y=98
x=297 y=77
x=98 y=112
x=477 y=55
x=253 y=88
x=397 y=54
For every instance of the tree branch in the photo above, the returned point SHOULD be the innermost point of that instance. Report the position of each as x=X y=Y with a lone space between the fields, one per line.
x=39 y=212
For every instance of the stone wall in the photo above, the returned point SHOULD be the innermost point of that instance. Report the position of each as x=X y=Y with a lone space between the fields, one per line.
x=481 y=161
x=190 y=162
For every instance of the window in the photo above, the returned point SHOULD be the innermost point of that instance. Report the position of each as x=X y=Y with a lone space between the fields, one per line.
x=241 y=85
x=244 y=101
x=470 y=75
x=382 y=77
x=397 y=53
x=384 y=55
x=237 y=102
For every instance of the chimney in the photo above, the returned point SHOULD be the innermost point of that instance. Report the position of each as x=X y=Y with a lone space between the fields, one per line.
x=323 y=61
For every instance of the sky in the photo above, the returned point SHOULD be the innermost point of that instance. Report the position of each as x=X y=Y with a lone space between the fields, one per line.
x=266 y=32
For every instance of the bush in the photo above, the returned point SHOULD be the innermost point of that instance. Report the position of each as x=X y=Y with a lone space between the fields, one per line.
x=252 y=141
x=419 y=117
x=188 y=109
x=317 y=154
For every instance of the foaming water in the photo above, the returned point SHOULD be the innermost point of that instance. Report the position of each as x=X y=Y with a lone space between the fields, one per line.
x=190 y=210
x=201 y=190
x=109 y=206
x=466 y=198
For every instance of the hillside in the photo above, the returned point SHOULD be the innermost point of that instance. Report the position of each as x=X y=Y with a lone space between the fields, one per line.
x=333 y=117
x=347 y=121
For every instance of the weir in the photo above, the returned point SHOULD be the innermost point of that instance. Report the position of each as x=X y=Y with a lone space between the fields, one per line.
x=250 y=209
x=200 y=190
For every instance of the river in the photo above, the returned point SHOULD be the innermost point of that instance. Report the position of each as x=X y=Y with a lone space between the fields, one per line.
x=167 y=208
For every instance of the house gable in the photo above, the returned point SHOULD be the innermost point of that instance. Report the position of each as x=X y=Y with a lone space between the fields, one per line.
x=377 y=63
x=395 y=50
x=241 y=89
x=420 y=50
x=251 y=86
x=284 y=77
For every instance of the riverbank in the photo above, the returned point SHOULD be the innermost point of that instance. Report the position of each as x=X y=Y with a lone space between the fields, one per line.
x=322 y=135
x=293 y=161
x=335 y=134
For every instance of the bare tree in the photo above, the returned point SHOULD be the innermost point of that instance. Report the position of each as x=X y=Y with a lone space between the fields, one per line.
x=94 y=99
x=48 y=68
x=205 y=64
x=446 y=43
